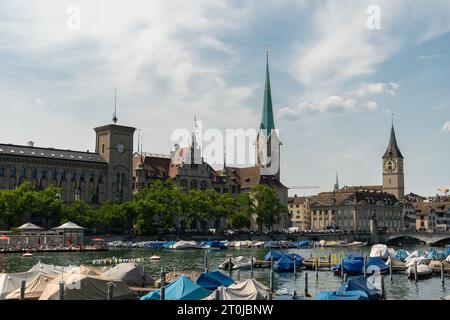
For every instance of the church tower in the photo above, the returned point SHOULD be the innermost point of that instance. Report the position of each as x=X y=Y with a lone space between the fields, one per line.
x=267 y=141
x=393 y=175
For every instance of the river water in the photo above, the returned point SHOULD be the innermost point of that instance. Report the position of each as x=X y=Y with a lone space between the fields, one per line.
x=401 y=288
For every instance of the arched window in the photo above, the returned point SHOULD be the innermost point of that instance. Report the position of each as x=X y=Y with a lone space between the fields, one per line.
x=23 y=172
x=194 y=184
x=203 y=185
x=63 y=175
x=54 y=174
x=33 y=173
x=13 y=172
x=91 y=177
x=183 y=183
x=2 y=171
x=44 y=174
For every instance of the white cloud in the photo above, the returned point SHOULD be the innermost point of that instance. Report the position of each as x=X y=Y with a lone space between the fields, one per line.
x=340 y=48
x=376 y=88
x=330 y=104
x=446 y=127
x=372 y=105
x=156 y=53
x=431 y=57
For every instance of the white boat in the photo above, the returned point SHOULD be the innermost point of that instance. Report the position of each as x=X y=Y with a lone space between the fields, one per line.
x=27 y=254
x=155 y=258
x=423 y=272
x=379 y=251
x=185 y=245
x=409 y=262
x=357 y=244
x=240 y=262
x=259 y=244
x=246 y=290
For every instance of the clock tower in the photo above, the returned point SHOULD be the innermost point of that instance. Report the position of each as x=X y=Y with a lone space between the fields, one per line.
x=393 y=174
x=115 y=144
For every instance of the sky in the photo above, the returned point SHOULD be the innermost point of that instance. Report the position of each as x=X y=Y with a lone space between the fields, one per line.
x=335 y=81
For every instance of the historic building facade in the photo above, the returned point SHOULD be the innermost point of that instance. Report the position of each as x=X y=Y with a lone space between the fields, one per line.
x=199 y=175
x=103 y=176
x=300 y=212
x=353 y=209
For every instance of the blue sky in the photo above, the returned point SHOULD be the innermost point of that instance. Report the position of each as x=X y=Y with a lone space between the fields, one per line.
x=334 y=82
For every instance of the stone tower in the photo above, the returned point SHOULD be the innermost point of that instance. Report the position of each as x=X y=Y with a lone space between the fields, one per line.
x=115 y=144
x=393 y=175
x=267 y=141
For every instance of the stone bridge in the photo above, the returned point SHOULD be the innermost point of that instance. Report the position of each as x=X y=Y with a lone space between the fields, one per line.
x=426 y=237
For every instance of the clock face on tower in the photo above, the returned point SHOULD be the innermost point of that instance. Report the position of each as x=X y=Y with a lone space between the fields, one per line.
x=389 y=166
x=120 y=148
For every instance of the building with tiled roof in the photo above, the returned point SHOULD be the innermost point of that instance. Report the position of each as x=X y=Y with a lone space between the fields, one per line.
x=94 y=177
x=232 y=180
x=352 y=210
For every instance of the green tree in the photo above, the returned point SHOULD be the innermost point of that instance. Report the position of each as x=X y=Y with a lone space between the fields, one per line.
x=49 y=205
x=218 y=206
x=239 y=221
x=267 y=207
x=80 y=213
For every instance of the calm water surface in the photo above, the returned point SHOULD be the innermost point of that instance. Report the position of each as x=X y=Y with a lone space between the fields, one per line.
x=401 y=288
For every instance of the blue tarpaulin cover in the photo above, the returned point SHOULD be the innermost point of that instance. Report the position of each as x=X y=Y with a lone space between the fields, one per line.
x=348 y=295
x=401 y=255
x=437 y=255
x=213 y=280
x=214 y=245
x=286 y=263
x=361 y=284
x=275 y=254
x=375 y=263
x=168 y=244
x=304 y=243
x=182 y=289
x=354 y=264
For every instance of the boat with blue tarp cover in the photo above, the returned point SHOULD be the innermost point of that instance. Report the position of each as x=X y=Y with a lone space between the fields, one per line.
x=213 y=245
x=286 y=263
x=182 y=289
x=276 y=255
x=354 y=265
x=361 y=284
x=213 y=280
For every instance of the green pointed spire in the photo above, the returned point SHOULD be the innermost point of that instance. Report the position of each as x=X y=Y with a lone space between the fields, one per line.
x=336 y=186
x=267 y=122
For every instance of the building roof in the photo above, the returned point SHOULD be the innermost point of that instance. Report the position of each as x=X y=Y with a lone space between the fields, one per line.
x=29 y=226
x=361 y=188
x=69 y=226
x=392 y=150
x=353 y=197
x=246 y=177
x=297 y=200
x=428 y=207
x=49 y=153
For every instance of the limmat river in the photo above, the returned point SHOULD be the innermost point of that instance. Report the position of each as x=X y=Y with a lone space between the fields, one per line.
x=401 y=288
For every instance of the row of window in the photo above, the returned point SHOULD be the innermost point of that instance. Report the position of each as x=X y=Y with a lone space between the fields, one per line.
x=44 y=174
